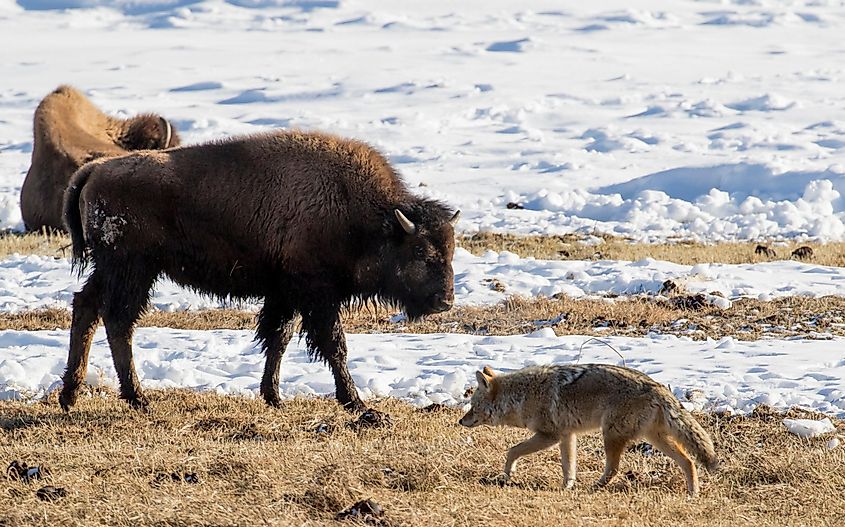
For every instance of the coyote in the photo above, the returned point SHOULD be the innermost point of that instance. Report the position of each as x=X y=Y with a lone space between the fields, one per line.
x=558 y=402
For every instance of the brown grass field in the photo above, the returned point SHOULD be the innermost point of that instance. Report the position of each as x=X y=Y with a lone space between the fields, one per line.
x=568 y=247
x=572 y=247
x=746 y=320
x=260 y=466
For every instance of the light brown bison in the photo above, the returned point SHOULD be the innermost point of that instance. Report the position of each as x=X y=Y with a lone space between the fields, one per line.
x=308 y=222
x=68 y=132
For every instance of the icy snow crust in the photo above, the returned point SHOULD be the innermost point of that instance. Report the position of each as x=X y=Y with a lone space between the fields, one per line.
x=701 y=120
x=704 y=120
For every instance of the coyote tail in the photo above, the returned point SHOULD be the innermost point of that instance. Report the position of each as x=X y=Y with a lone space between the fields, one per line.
x=690 y=433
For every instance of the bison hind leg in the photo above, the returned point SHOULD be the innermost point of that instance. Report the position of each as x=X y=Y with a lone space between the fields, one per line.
x=83 y=326
x=275 y=329
x=125 y=293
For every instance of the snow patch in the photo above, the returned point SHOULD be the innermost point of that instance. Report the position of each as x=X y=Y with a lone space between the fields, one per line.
x=806 y=428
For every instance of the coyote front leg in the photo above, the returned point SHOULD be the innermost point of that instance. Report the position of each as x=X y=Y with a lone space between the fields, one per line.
x=535 y=443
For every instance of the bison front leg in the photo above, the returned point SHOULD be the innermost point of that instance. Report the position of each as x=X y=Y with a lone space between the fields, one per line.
x=83 y=326
x=275 y=329
x=326 y=340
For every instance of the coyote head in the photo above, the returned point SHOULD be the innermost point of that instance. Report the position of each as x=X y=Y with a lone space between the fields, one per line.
x=481 y=404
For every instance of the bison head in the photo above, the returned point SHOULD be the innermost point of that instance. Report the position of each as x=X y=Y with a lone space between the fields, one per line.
x=148 y=132
x=415 y=262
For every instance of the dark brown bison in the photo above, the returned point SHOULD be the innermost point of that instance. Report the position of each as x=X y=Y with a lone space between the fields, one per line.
x=804 y=252
x=69 y=131
x=306 y=221
x=763 y=250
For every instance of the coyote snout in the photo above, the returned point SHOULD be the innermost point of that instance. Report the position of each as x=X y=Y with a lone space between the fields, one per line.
x=559 y=402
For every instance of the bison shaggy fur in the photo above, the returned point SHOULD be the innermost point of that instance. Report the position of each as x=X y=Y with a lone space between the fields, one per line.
x=307 y=221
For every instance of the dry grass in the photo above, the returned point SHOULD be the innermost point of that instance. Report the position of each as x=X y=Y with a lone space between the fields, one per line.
x=571 y=247
x=748 y=319
x=568 y=247
x=40 y=243
x=262 y=466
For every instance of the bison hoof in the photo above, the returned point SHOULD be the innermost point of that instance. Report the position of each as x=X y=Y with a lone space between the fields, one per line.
x=139 y=403
x=67 y=399
x=273 y=401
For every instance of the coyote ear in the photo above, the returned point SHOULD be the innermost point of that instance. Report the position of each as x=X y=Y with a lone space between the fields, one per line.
x=483 y=381
x=488 y=371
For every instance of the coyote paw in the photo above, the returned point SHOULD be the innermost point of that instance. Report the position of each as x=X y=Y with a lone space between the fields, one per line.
x=568 y=484
x=499 y=480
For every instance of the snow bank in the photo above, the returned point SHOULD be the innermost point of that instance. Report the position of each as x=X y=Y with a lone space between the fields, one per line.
x=727 y=137
x=439 y=367
x=10 y=214
x=809 y=427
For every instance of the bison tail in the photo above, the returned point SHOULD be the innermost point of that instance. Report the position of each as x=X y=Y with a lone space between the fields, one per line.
x=73 y=216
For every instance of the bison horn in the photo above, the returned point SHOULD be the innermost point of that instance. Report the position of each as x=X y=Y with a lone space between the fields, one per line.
x=454 y=220
x=407 y=224
x=168 y=131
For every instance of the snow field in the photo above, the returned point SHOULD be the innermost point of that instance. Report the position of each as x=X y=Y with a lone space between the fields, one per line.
x=725 y=375
x=704 y=120
x=735 y=132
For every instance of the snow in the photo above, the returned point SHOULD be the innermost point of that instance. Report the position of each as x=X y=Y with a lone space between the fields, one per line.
x=806 y=428
x=699 y=120
x=704 y=120
x=439 y=367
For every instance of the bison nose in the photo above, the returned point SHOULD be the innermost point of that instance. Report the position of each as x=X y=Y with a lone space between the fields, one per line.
x=442 y=303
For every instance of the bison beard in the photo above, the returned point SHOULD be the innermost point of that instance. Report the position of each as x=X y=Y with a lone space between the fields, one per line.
x=308 y=222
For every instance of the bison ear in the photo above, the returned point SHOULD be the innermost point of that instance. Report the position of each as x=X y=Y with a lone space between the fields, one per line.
x=407 y=225
x=454 y=219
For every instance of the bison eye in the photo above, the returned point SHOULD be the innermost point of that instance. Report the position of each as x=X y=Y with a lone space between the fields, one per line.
x=420 y=252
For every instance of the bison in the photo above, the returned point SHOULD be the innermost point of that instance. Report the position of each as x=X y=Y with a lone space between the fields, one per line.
x=763 y=250
x=804 y=252
x=307 y=221
x=68 y=132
